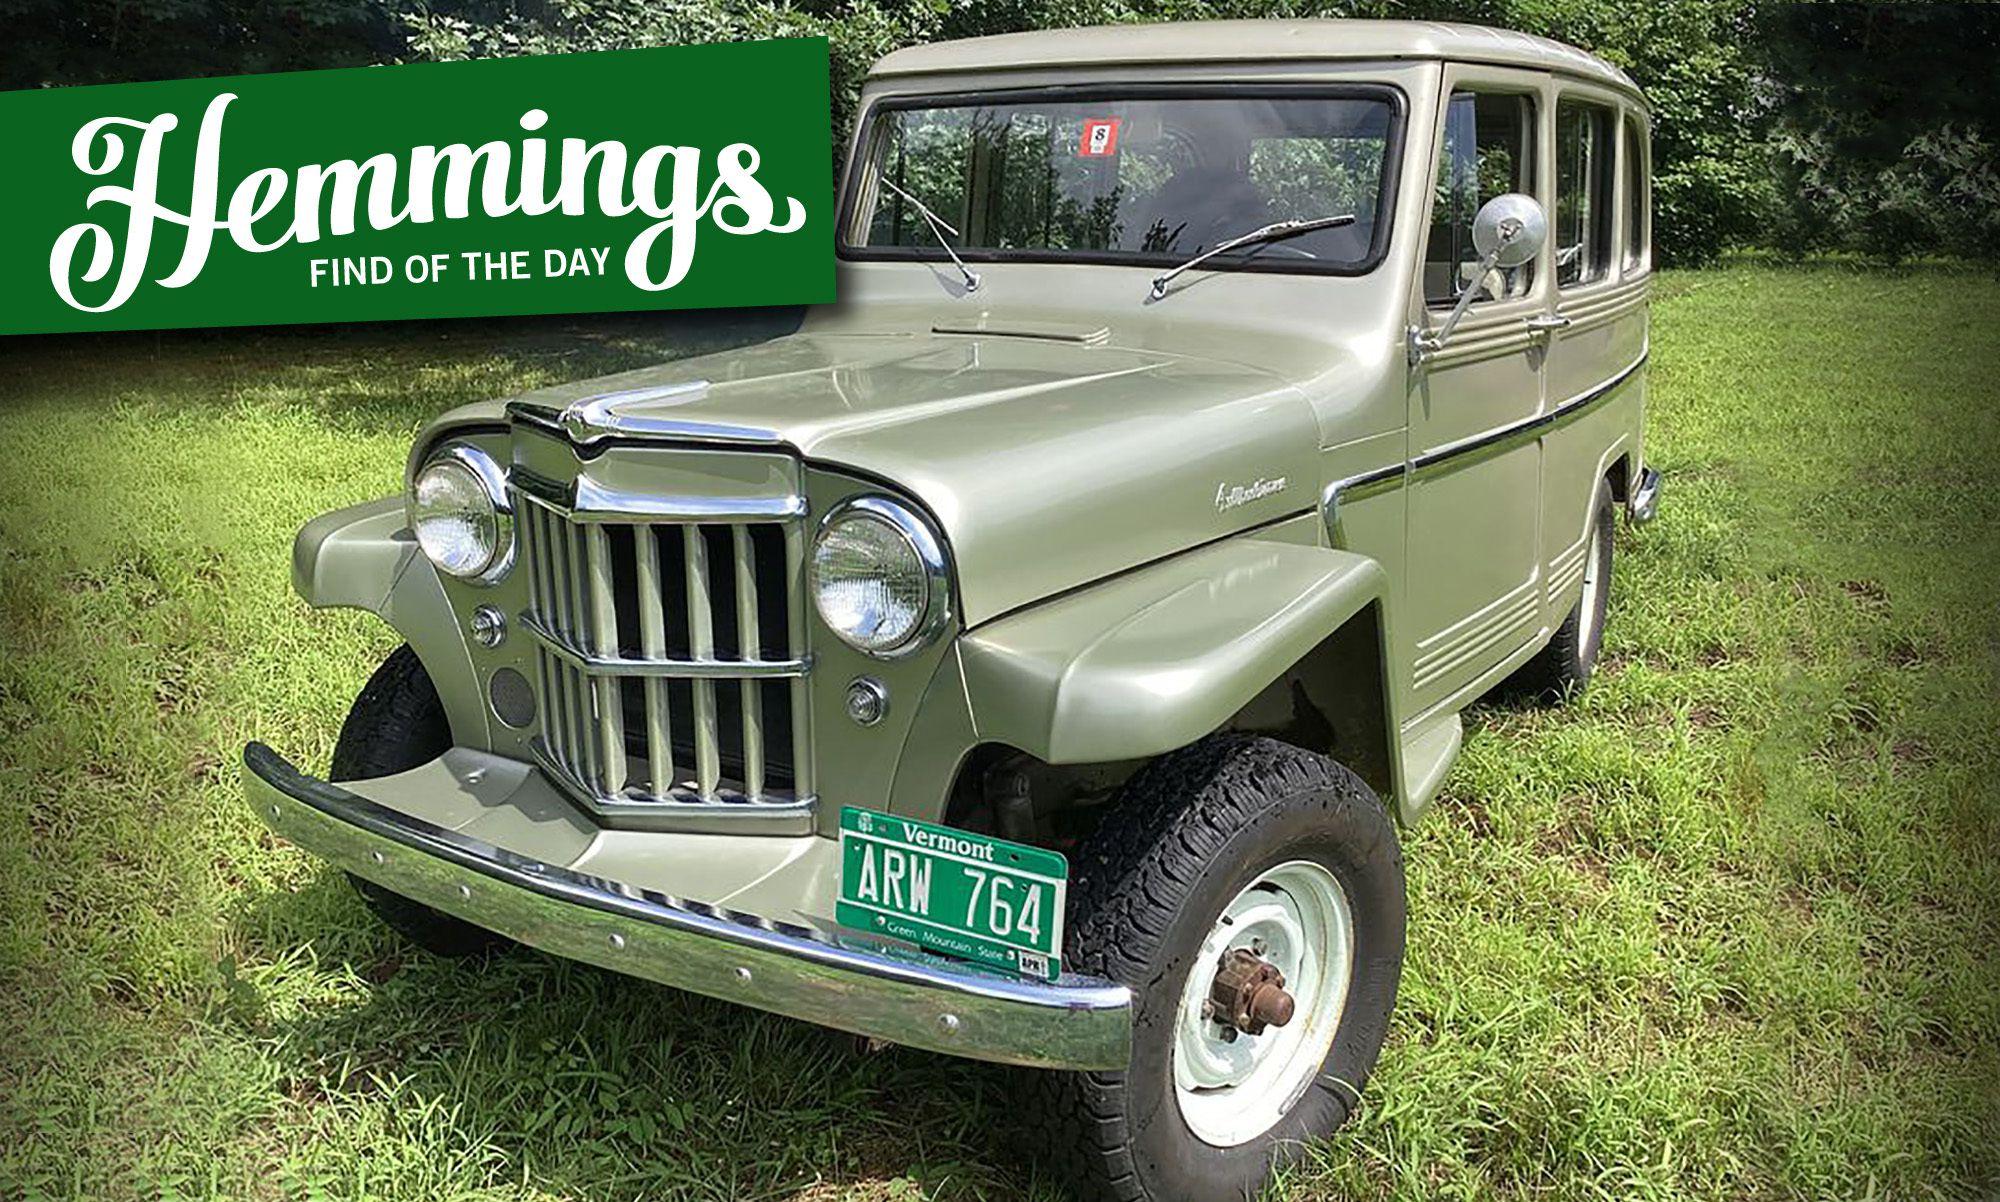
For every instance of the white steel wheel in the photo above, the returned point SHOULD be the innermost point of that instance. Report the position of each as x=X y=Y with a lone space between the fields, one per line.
x=1233 y=1086
x=1591 y=615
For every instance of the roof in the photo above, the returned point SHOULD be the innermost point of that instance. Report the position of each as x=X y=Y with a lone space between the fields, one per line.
x=1250 y=41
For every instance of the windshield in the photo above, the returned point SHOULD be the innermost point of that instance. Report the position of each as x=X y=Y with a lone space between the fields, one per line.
x=1137 y=179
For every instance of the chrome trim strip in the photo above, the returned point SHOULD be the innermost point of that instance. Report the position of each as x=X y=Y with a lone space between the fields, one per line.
x=595 y=419
x=1567 y=409
x=585 y=500
x=725 y=811
x=750 y=701
x=848 y=982
x=1353 y=488
x=591 y=664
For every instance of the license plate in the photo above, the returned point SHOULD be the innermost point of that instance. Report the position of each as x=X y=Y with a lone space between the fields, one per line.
x=965 y=895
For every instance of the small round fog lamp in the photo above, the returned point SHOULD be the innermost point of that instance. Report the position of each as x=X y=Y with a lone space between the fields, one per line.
x=867 y=701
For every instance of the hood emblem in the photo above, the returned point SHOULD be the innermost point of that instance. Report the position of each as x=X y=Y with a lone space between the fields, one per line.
x=597 y=417
x=1228 y=496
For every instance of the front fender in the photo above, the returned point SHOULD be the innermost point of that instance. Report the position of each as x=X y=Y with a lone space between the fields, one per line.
x=1155 y=659
x=364 y=557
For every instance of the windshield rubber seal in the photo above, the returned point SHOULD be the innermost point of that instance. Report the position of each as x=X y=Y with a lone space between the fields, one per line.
x=1385 y=201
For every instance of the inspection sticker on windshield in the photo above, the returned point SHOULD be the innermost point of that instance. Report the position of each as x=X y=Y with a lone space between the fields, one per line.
x=1100 y=137
x=962 y=894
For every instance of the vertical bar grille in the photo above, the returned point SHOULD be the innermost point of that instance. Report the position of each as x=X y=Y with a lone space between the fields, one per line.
x=670 y=657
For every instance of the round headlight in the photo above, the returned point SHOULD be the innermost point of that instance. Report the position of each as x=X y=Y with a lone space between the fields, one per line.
x=878 y=576
x=461 y=516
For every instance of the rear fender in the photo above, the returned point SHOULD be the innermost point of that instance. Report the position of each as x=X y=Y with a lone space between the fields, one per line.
x=1157 y=658
x=364 y=557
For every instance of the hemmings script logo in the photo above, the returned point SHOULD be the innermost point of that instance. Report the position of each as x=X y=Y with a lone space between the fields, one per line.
x=1229 y=496
x=429 y=183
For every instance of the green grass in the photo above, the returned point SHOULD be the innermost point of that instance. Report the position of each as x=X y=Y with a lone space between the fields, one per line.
x=1723 y=928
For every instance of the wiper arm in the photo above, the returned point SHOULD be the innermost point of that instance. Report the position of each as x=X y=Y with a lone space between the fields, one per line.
x=1266 y=233
x=939 y=229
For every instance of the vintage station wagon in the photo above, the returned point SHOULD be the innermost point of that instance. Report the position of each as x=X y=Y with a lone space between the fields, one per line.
x=1034 y=656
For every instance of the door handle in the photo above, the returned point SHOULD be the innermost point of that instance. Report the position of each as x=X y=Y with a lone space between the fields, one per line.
x=1547 y=323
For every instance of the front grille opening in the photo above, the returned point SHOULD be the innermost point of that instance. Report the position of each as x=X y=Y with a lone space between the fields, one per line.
x=773 y=703
x=624 y=548
x=720 y=543
x=767 y=562
x=671 y=542
x=649 y=618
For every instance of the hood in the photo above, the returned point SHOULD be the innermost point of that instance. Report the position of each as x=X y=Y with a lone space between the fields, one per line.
x=1048 y=462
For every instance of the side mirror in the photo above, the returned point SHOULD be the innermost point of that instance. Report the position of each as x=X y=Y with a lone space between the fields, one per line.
x=1508 y=230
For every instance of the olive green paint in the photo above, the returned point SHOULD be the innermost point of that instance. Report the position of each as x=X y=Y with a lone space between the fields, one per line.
x=1072 y=441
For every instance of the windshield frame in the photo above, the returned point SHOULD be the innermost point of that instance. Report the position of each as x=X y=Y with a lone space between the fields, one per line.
x=866 y=148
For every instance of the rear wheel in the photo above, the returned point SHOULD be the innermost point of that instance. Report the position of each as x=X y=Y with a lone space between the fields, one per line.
x=1251 y=895
x=1563 y=667
x=398 y=724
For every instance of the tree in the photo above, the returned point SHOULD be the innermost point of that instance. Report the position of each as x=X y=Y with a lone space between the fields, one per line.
x=1884 y=121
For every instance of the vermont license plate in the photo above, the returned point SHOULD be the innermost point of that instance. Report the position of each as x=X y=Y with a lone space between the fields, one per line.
x=965 y=895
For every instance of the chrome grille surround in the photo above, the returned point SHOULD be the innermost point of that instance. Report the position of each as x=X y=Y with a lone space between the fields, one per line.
x=674 y=683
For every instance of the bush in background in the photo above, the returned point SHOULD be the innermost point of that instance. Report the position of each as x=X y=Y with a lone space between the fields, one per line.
x=1882 y=126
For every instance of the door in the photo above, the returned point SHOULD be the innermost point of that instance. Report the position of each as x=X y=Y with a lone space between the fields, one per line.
x=1597 y=229
x=1475 y=490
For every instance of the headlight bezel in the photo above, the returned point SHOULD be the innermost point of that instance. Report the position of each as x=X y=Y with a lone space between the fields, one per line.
x=922 y=540
x=492 y=480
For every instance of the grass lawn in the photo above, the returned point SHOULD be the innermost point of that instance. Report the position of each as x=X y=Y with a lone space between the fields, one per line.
x=1725 y=927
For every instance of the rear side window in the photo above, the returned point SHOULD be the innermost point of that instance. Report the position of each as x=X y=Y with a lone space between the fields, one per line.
x=1583 y=192
x=1488 y=149
x=1638 y=201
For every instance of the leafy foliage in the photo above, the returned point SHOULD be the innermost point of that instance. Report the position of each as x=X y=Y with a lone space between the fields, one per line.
x=1885 y=120
x=118 y=41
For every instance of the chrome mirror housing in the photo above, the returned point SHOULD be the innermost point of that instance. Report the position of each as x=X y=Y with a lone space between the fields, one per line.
x=1508 y=231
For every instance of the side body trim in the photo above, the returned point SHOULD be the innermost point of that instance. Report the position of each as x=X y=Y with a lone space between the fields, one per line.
x=1358 y=485
x=1568 y=409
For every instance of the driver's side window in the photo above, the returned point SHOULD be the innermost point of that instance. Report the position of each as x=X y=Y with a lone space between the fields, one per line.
x=1488 y=149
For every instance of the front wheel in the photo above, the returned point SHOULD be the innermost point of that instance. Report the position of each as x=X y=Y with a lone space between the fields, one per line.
x=1251 y=895
x=398 y=724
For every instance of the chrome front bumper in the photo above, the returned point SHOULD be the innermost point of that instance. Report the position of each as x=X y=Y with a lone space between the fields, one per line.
x=875 y=989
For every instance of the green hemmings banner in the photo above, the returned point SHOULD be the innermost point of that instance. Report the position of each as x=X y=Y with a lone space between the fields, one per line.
x=672 y=178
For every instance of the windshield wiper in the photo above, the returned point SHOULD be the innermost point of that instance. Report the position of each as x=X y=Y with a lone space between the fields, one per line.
x=1266 y=233
x=939 y=228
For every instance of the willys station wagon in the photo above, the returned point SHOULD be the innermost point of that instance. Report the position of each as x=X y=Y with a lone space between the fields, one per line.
x=1034 y=657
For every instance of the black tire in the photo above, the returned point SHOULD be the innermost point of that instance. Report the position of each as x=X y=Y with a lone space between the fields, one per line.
x=1561 y=669
x=397 y=724
x=1192 y=830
